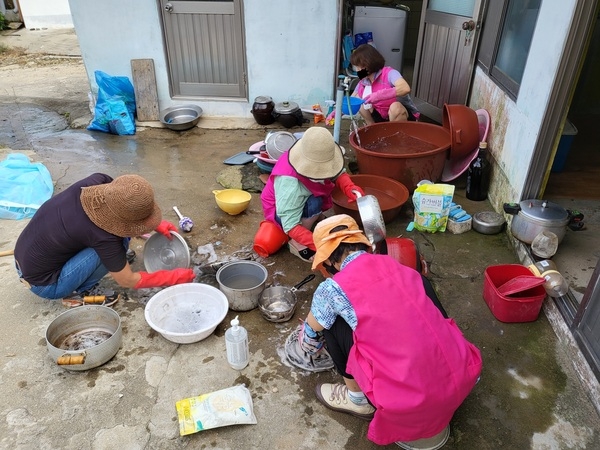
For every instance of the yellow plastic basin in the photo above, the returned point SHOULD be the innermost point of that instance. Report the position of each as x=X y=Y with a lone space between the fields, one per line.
x=232 y=201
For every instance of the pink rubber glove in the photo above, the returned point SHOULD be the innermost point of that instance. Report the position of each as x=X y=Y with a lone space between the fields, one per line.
x=344 y=182
x=162 y=278
x=383 y=94
x=303 y=236
x=165 y=227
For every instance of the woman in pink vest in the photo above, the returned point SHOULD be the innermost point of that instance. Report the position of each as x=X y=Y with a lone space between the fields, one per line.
x=299 y=188
x=384 y=91
x=406 y=366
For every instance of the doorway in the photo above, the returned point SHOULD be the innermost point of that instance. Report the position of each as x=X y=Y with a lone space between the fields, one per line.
x=205 y=48
x=581 y=172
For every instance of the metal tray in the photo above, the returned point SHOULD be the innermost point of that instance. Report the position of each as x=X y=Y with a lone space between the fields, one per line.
x=239 y=159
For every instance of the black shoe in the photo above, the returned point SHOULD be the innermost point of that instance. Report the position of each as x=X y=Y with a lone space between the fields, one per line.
x=130 y=255
x=305 y=254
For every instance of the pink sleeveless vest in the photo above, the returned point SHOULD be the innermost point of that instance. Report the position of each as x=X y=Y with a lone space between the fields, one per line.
x=380 y=82
x=283 y=167
x=414 y=365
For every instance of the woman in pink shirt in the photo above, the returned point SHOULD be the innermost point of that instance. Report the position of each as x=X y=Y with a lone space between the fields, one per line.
x=406 y=367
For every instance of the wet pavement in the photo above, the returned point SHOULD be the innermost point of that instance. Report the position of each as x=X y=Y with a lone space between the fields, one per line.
x=529 y=395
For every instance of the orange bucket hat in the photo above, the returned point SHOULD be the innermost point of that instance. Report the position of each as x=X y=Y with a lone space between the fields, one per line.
x=326 y=241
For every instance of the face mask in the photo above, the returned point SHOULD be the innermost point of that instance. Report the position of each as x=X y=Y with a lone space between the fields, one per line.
x=362 y=73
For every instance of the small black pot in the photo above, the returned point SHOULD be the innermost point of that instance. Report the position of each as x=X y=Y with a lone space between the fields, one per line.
x=288 y=114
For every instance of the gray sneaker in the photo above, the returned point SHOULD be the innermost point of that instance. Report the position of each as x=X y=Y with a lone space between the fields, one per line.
x=319 y=362
x=335 y=396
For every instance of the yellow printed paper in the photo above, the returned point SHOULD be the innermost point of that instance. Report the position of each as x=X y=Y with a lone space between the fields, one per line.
x=231 y=406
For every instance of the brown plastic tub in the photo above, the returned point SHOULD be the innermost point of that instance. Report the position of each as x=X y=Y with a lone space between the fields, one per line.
x=390 y=194
x=404 y=151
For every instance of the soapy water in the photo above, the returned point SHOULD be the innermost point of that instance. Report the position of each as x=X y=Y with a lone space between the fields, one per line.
x=188 y=316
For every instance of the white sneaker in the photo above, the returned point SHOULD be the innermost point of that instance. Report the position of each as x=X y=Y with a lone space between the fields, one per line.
x=335 y=396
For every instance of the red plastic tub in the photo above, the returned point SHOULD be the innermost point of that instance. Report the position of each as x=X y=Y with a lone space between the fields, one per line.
x=523 y=306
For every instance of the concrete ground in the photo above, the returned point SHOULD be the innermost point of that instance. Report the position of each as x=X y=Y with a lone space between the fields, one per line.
x=529 y=396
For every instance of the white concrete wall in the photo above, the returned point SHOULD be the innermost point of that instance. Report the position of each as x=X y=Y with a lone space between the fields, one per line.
x=290 y=48
x=46 y=13
x=515 y=124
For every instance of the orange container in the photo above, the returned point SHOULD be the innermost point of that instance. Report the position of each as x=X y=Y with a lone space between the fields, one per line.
x=523 y=306
x=269 y=238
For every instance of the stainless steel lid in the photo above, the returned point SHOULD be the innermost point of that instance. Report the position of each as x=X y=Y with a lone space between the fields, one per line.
x=286 y=107
x=544 y=212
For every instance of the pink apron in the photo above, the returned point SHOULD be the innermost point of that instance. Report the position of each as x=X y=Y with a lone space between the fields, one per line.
x=283 y=167
x=414 y=365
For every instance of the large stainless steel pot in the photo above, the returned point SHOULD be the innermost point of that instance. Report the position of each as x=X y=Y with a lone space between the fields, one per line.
x=242 y=282
x=531 y=217
x=84 y=337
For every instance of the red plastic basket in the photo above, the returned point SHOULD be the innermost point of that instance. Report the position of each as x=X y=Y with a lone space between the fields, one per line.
x=521 y=307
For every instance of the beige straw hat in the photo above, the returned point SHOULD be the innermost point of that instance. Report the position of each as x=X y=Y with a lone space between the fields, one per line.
x=316 y=155
x=326 y=241
x=124 y=207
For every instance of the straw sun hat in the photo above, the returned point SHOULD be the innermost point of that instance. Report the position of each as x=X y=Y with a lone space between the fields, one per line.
x=124 y=207
x=316 y=155
x=326 y=241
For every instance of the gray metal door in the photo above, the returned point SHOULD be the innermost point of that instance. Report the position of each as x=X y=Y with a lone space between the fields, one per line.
x=587 y=322
x=205 y=48
x=448 y=37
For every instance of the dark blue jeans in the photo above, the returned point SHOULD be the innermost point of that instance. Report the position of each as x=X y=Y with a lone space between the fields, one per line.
x=80 y=273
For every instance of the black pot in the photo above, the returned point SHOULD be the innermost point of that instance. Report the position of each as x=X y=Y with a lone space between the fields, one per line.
x=262 y=110
x=288 y=114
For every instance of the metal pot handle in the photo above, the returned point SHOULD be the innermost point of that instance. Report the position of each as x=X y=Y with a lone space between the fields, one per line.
x=71 y=359
x=303 y=282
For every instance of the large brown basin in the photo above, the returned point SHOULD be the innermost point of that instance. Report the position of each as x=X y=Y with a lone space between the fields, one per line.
x=390 y=194
x=405 y=151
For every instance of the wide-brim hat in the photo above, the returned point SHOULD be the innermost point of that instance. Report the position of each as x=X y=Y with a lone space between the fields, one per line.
x=316 y=155
x=326 y=241
x=124 y=207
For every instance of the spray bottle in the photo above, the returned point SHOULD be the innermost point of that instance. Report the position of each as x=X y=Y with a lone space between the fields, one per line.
x=236 y=342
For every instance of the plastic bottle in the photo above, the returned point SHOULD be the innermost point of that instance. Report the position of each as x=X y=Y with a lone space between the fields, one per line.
x=540 y=267
x=236 y=342
x=478 y=175
x=556 y=285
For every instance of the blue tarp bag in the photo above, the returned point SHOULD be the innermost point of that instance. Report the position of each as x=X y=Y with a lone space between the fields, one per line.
x=24 y=186
x=115 y=108
x=363 y=38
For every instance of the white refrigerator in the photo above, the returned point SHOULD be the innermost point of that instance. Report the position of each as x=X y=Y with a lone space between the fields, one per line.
x=388 y=25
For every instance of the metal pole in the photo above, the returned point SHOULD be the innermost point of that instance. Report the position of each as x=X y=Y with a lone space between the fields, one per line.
x=339 y=98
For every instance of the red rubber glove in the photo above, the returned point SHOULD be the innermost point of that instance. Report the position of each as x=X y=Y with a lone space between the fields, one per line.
x=383 y=94
x=303 y=236
x=344 y=182
x=165 y=227
x=162 y=278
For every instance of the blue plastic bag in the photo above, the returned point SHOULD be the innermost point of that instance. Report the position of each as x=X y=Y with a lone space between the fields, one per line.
x=115 y=108
x=24 y=186
x=363 y=38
